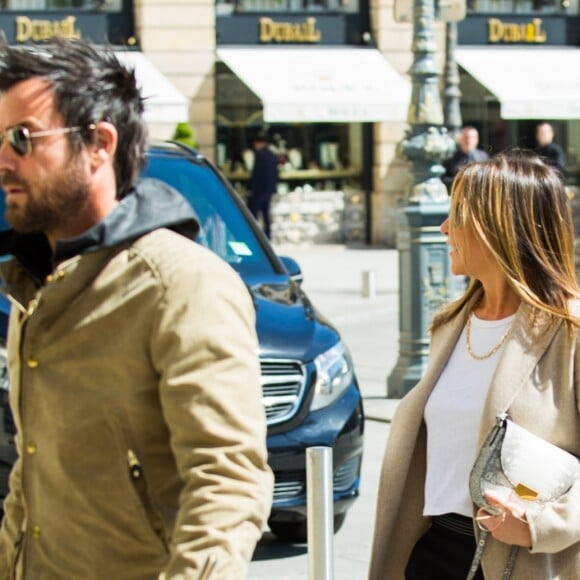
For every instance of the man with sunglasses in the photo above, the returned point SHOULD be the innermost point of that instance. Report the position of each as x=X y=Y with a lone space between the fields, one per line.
x=132 y=350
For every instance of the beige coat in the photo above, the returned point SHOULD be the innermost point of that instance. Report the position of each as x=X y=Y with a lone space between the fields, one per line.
x=545 y=366
x=141 y=434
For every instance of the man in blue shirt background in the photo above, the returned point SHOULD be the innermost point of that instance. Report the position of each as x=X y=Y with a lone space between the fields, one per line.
x=263 y=181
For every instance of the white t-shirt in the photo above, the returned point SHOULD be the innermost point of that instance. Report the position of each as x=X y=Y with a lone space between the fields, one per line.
x=453 y=413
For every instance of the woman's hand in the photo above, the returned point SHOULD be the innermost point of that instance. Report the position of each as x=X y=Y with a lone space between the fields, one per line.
x=509 y=526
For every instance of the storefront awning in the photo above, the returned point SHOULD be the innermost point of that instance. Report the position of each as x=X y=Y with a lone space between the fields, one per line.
x=530 y=83
x=320 y=85
x=163 y=102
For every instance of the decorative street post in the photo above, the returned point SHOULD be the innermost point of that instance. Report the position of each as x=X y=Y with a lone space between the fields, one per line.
x=451 y=91
x=425 y=282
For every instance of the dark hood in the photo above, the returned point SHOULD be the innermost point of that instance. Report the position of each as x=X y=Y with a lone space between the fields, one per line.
x=152 y=204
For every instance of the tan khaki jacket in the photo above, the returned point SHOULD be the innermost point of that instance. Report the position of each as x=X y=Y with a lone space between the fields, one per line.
x=141 y=434
x=541 y=367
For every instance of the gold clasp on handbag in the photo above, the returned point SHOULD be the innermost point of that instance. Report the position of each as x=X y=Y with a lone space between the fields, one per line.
x=525 y=492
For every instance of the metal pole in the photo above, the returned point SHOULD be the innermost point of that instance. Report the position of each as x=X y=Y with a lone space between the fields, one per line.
x=320 y=518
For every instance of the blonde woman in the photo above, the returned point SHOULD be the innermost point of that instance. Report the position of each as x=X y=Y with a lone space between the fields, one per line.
x=514 y=330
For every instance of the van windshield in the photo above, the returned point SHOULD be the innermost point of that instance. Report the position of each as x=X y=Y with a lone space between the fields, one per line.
x=223 y=227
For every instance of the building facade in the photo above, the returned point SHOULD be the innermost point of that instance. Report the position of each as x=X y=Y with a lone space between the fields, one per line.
x=110 y=22
x=311 y=74
x=519 y=61
x=327 y=80
x=281 y=66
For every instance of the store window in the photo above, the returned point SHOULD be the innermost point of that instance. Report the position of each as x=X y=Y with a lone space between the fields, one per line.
x=523 y=6
x=241 y=6
x=21 y=5
x=324 y=147
x=320 y=193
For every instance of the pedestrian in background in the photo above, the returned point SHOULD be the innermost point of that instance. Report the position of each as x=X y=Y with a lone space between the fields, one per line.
x=466 y=152
x=513 y=336
x=135 y=382
x=548 y=149
x=263 y=181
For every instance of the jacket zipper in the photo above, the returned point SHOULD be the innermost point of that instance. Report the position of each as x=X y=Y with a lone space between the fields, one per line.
x=134 y=465
x=140 y=485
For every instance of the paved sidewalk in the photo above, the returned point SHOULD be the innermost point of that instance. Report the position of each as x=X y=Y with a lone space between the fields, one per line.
x=381 y=410
x=333 y=279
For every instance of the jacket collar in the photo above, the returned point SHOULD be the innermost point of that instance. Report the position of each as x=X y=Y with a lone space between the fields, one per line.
x=531 y=334
x=151 y=205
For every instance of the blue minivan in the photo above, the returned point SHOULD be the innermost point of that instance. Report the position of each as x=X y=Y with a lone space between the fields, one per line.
x=310 y=392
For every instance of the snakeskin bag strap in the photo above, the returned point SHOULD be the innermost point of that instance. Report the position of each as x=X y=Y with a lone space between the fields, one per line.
x=509 y=567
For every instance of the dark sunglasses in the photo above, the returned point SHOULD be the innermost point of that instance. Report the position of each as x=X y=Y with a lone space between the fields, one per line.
x=20 y=137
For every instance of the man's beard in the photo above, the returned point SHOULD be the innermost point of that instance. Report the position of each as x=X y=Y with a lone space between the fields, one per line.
x=49 y=206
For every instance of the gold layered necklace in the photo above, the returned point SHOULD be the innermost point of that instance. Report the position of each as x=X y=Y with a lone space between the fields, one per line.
x=489 y=353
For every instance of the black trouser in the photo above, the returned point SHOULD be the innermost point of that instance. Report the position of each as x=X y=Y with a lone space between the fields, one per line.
x=261 y=205
x=445 y=551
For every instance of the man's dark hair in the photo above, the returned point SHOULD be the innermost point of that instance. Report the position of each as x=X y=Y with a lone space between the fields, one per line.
x=260 y=137
x=90 y=85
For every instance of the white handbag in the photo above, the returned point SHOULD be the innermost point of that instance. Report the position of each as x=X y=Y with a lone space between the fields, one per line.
x=522 y=467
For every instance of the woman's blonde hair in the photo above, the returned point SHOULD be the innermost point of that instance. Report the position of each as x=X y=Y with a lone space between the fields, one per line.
x=518 y=206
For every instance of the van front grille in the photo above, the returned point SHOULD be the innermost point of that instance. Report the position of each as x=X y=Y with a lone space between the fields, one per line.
x=288 y=484
x=283 y=383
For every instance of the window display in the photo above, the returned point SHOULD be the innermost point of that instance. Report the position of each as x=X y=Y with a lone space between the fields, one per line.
x=522 y=6
x=107 y=5
x=320 y=192
x=240 y=6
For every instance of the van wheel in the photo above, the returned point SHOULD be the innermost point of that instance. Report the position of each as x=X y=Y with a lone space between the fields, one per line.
x=297 y=532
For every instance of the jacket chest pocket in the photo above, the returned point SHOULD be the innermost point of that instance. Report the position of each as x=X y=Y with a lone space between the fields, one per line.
x=141 y=489
x=135 y=481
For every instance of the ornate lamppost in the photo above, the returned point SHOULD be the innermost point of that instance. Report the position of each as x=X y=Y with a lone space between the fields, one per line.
x=425 y=282
x=451 y=91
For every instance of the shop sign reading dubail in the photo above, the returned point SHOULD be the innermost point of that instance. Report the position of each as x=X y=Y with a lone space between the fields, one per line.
x=39 y=27
x=516 y=32
x=28 y=29
x=303 y=32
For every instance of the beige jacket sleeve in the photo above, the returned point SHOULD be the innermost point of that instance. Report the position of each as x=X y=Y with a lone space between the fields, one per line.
x=11 y=524
x=205 y=348
x=557 y=526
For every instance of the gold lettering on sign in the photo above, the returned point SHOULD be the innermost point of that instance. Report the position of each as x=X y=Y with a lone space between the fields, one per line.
x=271 y=31
x=511 y=32
x=41 y=30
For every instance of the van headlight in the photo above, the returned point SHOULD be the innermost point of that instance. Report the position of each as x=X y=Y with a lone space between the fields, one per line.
x=333 y=375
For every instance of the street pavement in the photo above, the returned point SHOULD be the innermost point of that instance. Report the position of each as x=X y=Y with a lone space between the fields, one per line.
x=333 y=279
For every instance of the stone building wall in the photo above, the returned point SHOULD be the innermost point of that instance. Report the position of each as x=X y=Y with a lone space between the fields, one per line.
x=178 y=36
